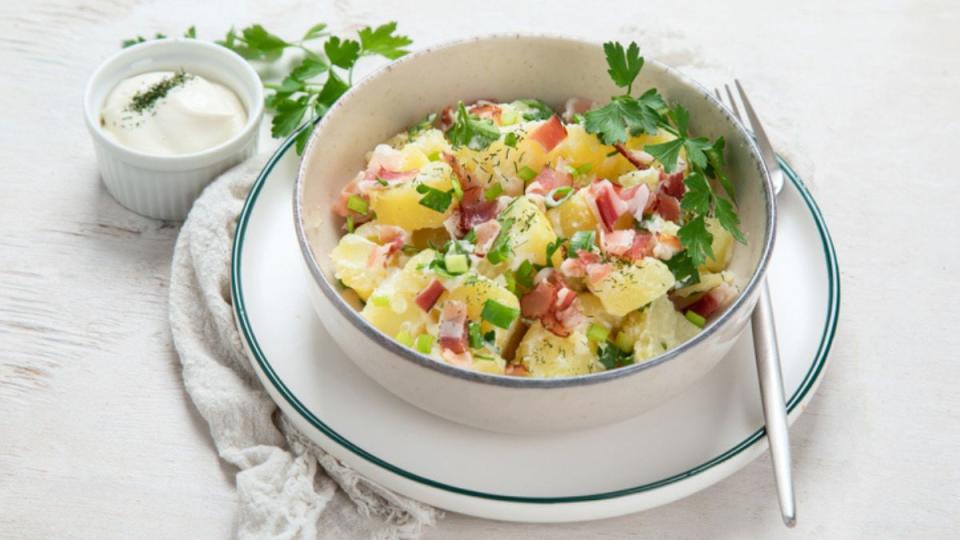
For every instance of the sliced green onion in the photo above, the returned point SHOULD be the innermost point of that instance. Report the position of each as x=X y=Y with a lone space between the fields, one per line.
x=581 y=241
x=508 y=117
x=457 y=188
x=624 y=342
x=404 y=338
x=501 y=246
x=358 y=204
x=552 y=248
x=510 y=139
x=511 y=280
x=456 y=263
x=493 y=192
x=434 y=156
x=474 y=335
x=380 y=300
x=526 y=173
x=598 y=333
x=583 y=169
x=382 y=182
x=695 y=318
x=524 y=274
x=558 y=196
x=434 y=199
x=350 y=228
x=498 y=314
x=425 y=343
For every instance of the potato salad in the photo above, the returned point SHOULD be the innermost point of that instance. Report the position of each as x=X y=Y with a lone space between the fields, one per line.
x=510 y=238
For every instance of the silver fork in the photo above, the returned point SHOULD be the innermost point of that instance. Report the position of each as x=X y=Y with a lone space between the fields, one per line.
x=765 y=334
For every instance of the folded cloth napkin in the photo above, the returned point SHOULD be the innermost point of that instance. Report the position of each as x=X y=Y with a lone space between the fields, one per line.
x=287 y=486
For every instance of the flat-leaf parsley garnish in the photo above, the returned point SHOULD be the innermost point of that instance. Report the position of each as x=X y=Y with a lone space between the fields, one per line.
x=471 y=131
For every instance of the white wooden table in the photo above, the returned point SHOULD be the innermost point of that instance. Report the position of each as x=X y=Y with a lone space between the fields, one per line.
x=99 y=440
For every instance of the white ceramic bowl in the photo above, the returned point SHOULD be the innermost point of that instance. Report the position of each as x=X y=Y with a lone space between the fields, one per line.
x=164 y=187
x=506 y=68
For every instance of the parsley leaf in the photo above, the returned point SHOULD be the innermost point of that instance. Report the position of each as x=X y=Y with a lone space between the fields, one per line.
x=697 y=239
x=698 y=196
x=471 y=131
x=332 y=89
x=435 y=199
x=263 y=45
x=534 y=109
x=612 y=356
x=315 y=31
x=624 y=65
x=683 y=269
x=342 y=53
x=621 y=116
x=727 y=216
x=666 y=153
x=289 y=113
x=383 y=41
x=715 y=163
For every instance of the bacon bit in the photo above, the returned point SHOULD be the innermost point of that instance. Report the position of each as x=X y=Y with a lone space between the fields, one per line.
x=475 y=209
x=575 y=106
x=429 y=295
x=550 y=133
x=667 y=206
x=565 y=297
x=573 y=268
x=466 y=180
x=380 y=256
x=545 y=274
x=392 y=233
x=715 y=300
x=490 y=111
x=666 y=247
x=571 y=316
x=672 y=184
x=554 y=325
x=463 y=359
x=609 y=205
x=549 y=179
x=598 y=271
x=340 y=205
x=453 y=326
x=487 y=233
x=588 y=257
x=618 y=242
x=383 y=157
x=638 y=158
x=517 y=370
x=537 y=303
x=637 y=198
x=642 y=246
x=396 y=176
x=446 y=118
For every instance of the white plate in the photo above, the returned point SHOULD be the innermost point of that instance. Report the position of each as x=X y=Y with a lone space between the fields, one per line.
x=700 y=437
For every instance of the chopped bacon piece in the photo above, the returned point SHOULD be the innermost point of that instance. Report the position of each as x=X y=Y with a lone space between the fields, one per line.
x=598 y=271
x=573 y=268
x=487 y=233
x=392 y=233
x=537 y=303
x=618 y=242
x=642 y=246
x=384 y=156
x=475 y=209
x=554 y=325
x=453 y=326
x=715 y=300
x=548 y=179
x=672 y=184
x=667 y=206
x=545 y=274
x=571 y=316
x=466 y=180
x=565 y=297
x=637 y=198
x=550 y=133
x=446 y=118
x=666 y=247
x=340 y=205
x=638 y=158
x=575 y=106
x=517 y=370
x=609 y=205
x=398 y=176
x=462 y=359
x=485 y=109
x=588 y=257
x=429 y=295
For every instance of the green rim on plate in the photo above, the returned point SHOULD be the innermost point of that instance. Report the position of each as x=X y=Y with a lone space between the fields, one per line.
x=816 y=368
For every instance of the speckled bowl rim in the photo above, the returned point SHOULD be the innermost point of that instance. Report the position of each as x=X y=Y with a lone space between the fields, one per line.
x=424 y=361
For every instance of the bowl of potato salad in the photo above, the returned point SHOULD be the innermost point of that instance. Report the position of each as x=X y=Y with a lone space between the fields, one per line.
x=530 y=233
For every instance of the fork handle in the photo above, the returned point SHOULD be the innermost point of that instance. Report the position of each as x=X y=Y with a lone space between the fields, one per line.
x=774 y=407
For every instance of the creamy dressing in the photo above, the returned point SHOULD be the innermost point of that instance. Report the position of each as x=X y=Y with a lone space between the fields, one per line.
x=171 y=113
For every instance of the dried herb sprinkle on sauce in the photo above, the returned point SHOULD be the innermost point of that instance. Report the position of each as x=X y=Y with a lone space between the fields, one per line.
x=146 y=99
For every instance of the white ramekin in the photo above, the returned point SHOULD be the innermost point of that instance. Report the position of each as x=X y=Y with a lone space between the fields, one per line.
x=164 y=187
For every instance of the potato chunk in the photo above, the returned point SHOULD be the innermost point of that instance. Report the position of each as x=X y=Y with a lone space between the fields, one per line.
x=350 y=264
x=631 y=286
x=655 y=330
x=474 y=291
x=573 y=215
x=530 y=233
x=400 y=205
x=545 y=354
x=391 y=307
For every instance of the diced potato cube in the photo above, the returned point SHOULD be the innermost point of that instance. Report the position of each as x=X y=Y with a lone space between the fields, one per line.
x=401 y=206
x=545 y=354
x=573 y=215
x=650 y=177
x=483 y=164
x=431 y=142
x=656 y=329
x=707 y=281
x=530 y=234
x=350 y=264
x=631 y=286
x=489 y=363
x=594 y=311
x=392 y=307
x=474 y=291
x=722 y=247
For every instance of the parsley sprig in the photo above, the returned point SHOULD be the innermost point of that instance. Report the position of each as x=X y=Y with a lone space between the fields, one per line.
x=471 y=131
x=649 y=113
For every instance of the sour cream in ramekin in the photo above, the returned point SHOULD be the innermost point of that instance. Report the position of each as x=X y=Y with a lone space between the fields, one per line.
x=171 y=113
